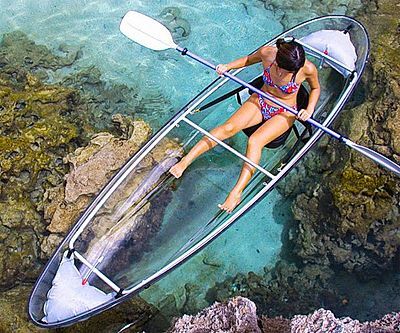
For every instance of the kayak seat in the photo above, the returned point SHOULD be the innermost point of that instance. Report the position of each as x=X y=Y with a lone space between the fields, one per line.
x=302 y=102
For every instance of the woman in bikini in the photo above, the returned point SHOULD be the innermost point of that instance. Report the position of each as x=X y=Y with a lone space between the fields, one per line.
x=285 y=68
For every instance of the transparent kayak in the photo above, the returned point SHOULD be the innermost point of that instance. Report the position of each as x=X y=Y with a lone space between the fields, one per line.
x=144 y=223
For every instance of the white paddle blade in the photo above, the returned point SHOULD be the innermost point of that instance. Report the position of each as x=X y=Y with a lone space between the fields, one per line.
x=146 y=31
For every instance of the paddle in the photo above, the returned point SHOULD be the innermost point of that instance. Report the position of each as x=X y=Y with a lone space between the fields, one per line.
x=152 y=34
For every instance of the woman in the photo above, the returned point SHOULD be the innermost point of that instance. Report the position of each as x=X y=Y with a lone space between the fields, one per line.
x=285 y=68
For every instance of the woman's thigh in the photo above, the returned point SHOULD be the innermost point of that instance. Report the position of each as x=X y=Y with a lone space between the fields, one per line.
x=273 y=128
x=247 y=115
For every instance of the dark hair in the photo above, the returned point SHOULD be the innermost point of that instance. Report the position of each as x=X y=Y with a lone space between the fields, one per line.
x=290 y=55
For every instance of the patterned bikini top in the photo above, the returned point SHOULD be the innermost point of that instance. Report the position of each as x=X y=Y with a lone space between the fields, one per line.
x=289 y=88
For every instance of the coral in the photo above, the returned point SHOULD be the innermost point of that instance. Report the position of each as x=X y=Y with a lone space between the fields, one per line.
x=238 y=315
x=349 y=213
x=291 y=14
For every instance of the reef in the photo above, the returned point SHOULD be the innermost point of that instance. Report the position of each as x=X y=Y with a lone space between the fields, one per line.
x=239 y=315
x=290 y=15
x=236 y=315
x=350 y=217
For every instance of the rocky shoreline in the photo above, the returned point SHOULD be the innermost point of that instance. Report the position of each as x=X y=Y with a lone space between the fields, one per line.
x=239 y=315
x=346 y=218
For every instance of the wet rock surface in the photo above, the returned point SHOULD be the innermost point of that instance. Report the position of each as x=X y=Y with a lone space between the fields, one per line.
x=238 y=315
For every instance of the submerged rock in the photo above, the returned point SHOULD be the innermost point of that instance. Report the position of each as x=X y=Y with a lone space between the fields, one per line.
x=172 y=18
x=291 y=15
x=19 y=55
x=34 y=135
x=350 y=215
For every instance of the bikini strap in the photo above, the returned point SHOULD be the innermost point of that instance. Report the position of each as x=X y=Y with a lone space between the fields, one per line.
x=293 y=79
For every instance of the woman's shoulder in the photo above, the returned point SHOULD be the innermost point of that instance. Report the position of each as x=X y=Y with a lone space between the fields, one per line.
x=309 y=68
x=268 y=53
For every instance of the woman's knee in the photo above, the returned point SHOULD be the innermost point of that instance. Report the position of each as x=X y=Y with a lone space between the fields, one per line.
x=229 y=128
x=255 y=142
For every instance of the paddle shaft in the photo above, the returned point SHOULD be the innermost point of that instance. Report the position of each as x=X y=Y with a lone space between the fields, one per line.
x=184 y=51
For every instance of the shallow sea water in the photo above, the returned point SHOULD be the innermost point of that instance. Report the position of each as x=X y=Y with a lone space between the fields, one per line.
x=219 y=31
x=93 y=26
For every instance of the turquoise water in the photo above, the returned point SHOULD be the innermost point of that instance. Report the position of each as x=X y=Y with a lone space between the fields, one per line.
x=163 y=79
x=164 y=82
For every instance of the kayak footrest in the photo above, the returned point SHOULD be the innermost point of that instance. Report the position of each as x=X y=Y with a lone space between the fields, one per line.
x=101 y=275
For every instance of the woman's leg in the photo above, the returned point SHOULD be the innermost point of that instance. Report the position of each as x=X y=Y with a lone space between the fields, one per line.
x=273 y=128
x=246 y=116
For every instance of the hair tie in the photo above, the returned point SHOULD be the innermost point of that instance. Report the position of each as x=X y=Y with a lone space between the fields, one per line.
x=279 y=42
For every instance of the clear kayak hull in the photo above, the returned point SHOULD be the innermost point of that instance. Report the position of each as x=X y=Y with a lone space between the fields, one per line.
x=144 y=223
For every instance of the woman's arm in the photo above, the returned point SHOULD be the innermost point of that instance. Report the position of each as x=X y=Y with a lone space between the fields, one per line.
x=311 y=73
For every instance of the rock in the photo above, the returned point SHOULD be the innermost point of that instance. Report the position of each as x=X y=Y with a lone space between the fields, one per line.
x=13 y=314
x=125 y=125
x=87 y=177
x=49 y=245
x=274 y=325
x=237 y=315
x=323 y=321
x=180 y=27
x=352 y=219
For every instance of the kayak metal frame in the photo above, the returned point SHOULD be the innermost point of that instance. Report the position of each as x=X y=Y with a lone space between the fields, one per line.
x=129 y=166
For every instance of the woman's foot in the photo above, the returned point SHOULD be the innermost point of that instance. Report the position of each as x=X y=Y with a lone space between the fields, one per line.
x=231 y=201
x=178 y=169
